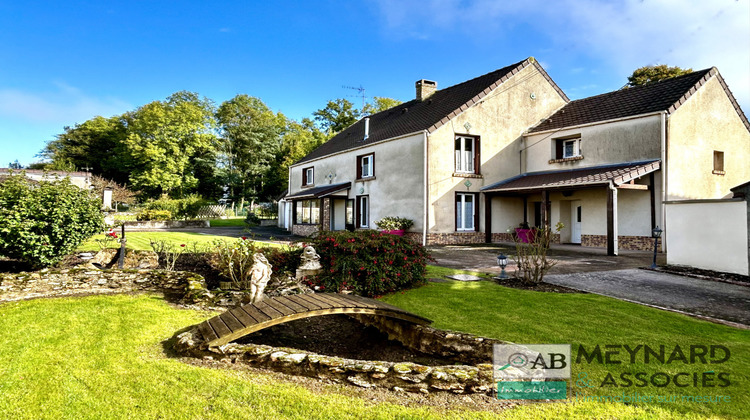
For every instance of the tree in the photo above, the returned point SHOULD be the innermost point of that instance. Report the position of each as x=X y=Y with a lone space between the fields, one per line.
x=250 y=143
x=337 y=115
x=650 y=74
x=379 y=104
x=15 y=165
x=41 y=222
x=162 y=139
x=298 y=140
x=120 y=193
x=97 y=144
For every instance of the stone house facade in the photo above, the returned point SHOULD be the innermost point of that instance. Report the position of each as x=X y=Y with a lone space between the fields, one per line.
x=468 y=162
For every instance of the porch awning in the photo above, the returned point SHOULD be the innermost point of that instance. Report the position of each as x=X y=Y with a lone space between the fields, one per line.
x=593 y=176
x=319 y=192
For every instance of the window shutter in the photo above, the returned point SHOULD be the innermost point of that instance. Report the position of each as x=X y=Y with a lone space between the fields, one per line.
x=476 y=156
x=559 y=149
x=476 y=211
x=359 y=167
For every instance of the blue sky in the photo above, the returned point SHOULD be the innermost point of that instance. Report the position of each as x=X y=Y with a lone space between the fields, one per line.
x=62 y=63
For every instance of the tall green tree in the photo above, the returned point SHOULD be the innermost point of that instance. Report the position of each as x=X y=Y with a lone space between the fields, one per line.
x=299 y=139
x=649 y=74
x=379 y=104
x=250 y=143
x=337 y=115
x=163 y=139
x=97 y=144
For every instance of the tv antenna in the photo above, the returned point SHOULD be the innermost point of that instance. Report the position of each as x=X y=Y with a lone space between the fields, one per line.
x=361 y=92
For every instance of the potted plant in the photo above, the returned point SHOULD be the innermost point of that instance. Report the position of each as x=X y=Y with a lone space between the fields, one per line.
x=524 y=233
x=394 y=225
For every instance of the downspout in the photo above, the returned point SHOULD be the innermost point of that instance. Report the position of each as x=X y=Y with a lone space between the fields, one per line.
x=664 y=181
x=426 y=192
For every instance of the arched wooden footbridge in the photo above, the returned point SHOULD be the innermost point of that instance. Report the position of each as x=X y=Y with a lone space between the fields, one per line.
x=243 y=320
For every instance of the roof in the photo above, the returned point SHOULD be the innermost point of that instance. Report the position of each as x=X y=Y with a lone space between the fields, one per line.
x=319 y=192
x=618 y=174
x=429 y=114
x=666 y=95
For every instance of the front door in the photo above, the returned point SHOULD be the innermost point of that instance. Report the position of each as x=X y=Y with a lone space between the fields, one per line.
x=575 y=222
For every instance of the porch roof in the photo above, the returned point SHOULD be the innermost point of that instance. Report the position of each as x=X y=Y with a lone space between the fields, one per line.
x=319 y=192
x=617 y=174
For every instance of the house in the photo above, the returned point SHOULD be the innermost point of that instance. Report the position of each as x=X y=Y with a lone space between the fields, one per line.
x=468 y=162
x=79 y=179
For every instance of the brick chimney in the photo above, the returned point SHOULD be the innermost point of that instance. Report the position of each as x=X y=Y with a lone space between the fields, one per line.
x=425 y=89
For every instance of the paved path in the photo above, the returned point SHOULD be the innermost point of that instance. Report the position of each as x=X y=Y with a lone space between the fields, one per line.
x=723 y=301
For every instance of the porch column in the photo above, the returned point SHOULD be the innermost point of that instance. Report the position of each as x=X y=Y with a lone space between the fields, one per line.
x=487 y=218
x=612 y=247
x=545 y=208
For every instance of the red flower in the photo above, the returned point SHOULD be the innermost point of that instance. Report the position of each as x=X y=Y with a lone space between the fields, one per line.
x=182 y=245
x=244 y=238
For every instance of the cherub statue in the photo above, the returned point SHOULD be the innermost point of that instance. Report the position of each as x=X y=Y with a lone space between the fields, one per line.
x=260 y=273
x=310 y=259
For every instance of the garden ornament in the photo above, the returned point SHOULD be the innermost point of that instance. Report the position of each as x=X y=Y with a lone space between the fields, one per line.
x=310 y=259
x=260 y=273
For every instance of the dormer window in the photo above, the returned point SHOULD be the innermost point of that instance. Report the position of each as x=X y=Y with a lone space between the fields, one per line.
x=566 y=149
x=308 y=176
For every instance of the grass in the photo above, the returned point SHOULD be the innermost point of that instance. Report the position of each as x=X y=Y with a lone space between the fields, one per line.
x=229 y=222
x=106 y=357
x=519 y=316
x=142 y=240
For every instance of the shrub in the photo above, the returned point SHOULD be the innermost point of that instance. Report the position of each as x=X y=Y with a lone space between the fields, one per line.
x=252 y=219
x=531 y=258
x=183 y=208
x=368 y=262
x=234 y=259
x=40 y=223
x=147 y=214
x=394 y=223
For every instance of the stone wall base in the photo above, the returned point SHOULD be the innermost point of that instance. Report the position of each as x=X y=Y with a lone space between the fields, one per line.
x=190 y=287
x=455 y=238
x=628 y=243
x=305 y=230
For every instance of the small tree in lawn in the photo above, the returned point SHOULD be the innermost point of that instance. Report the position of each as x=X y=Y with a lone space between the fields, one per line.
x=531 y=258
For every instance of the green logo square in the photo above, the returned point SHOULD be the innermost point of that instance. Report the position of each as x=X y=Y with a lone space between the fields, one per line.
x=524 y=390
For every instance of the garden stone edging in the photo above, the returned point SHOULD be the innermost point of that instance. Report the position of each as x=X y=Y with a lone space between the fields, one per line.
x=397 y=376
x=52 y=283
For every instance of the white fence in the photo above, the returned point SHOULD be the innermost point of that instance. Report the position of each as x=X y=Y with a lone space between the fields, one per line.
x=708 y=234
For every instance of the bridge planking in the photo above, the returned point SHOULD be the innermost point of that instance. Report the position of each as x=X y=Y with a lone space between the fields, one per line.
x=246 y=319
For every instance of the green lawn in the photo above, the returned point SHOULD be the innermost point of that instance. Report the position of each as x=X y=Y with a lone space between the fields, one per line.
x=518 y=316
x=142 y=240
x=105 y=357
x=232 y=221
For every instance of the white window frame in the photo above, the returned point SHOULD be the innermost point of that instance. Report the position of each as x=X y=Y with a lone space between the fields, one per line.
x=464 y=156
x=460 y=217
x=363 y=211
x=576 y=142
x=309 y=176
x=369 y=165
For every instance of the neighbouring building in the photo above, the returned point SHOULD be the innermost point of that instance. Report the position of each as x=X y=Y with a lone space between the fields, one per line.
x=79 y=179
x=472 y=161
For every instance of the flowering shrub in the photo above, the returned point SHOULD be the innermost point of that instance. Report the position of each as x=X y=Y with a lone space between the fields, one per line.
x=168 y=253
x=110 y=238
x=369 y=263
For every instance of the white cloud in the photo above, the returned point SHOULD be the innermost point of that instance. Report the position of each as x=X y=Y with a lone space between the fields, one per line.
x=622 y=35
x=65 y=105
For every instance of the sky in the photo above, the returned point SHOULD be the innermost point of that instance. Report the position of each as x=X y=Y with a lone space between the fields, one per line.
x=64 y=62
